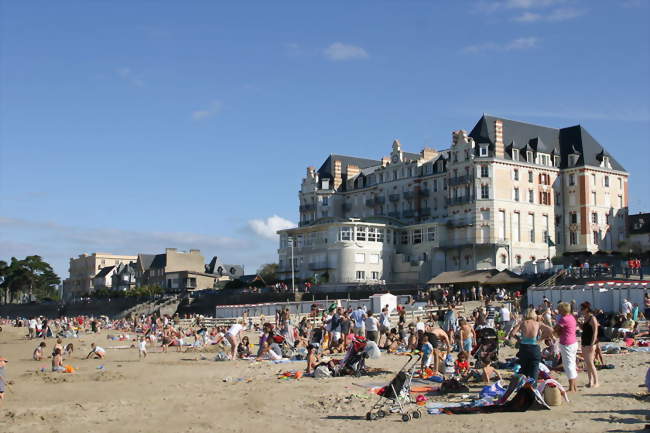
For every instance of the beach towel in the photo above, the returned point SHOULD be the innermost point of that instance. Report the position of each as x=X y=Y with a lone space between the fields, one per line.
x=526 y=398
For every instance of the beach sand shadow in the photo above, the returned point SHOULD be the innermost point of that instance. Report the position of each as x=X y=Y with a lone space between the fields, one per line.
x=346 y=417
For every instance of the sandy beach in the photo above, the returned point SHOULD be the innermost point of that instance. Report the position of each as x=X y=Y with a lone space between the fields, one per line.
x=184 y=392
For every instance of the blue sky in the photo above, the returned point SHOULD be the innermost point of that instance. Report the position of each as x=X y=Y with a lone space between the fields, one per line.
x=129 y=127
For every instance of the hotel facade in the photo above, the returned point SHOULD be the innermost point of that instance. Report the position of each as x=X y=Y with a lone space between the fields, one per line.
x=507 y=195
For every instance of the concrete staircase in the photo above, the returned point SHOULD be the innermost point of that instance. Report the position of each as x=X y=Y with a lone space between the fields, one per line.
x=165 y=305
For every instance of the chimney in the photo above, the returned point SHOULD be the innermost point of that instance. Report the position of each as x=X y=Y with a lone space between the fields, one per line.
x=498 y=139
x=194 y=251
x=352 y=170
x=338 y=179
x=428 y=153
x=459 y=135
x=170 y=250
x=311 y=171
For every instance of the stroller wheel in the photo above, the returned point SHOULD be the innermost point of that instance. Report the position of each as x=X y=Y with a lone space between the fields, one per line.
x=381 y=413
x=406 y=417
x=371 y=416
x=416 y=414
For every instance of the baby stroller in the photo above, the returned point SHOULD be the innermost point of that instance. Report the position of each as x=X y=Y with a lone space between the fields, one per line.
x=396 y=396
x=487 y=348
x=354 y=362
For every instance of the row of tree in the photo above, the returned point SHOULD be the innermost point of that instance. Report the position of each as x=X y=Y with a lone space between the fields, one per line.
x=30 y=277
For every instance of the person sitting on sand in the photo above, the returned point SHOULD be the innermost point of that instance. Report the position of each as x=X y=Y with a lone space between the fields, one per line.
x=96 y=352
x=312 y=359
x=488 y=372
x=67 y=351
x=244 y=348
x=461 y=366
x=39 y=352
x=57 y=361
x=58 y=345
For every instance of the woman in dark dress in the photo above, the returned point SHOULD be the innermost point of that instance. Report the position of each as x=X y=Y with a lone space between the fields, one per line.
x=589 y=341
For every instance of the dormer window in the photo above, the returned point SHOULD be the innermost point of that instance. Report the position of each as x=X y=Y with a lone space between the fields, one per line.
x=515 y=154
x=573 y=159
x=529 y=156
x=483 y=151
x=325 y=184
x=606 y=162
x=556 y=161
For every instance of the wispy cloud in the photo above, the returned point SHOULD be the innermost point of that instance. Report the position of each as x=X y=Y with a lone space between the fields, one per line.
x=211 y=110
x=127 y=75
x=339 y=51
x=513 y=45
x=490 y=6
x=267 y=228
x=561 y=14
x=293 y=49
x=634 y=3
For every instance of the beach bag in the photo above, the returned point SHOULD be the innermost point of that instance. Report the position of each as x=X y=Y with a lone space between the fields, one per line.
x=552 y=395
x=322 y=371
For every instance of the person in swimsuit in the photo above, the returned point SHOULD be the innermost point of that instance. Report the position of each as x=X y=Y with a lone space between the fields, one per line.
x=529 y=353
x=467 y=336
x=589 y=341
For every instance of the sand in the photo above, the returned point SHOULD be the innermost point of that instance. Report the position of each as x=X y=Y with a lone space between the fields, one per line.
x=181 y=392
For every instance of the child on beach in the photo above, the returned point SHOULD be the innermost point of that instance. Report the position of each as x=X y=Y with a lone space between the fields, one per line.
x=57 y=361
x=142 y=348
x=96 y=352
x=427 y=352
x=461 y=366
x=3 y=379
x=69 y=348
x=244 y=348
x=39 y=352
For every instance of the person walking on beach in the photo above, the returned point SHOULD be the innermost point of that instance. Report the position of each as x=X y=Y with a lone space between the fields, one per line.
x=529 y=353
x=3 y=379
x=589 y=341
x=232 y=335
x=566 y=329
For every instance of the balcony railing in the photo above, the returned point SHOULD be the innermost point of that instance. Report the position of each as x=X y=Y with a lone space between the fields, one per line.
x=307 y=207
x=393 y=197
x=424 y=192
x=318 y=266
x=380 y=200
x=393 y=214
x=459 y=180
x=408 y=195
x=346 y=207
x=370 y=202
x=425 y=211
x=458 y=200
x=408 y=213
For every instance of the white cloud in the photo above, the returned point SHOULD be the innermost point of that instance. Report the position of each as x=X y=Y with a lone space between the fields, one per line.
x=492 y=6
x=129 y=76
x=211 y=110
x=514 y=45
x=268 y=228
x=339 y=51
x=561 y=14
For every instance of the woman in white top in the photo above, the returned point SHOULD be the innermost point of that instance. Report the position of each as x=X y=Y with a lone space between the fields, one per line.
x=232 y=335
x=372 y=328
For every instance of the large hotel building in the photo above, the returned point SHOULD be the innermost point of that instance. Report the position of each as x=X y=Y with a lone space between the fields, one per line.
x=507 y=195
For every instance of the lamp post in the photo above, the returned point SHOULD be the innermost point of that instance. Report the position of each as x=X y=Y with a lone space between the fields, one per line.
x=293 y=279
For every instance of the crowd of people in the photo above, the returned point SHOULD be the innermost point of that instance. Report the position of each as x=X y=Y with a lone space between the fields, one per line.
x=562 y=337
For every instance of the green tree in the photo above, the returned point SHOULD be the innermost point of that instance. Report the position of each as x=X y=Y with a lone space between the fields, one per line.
x=269 y=272
x=31 y=275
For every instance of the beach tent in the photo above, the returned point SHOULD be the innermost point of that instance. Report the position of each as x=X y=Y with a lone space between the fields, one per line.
x=505 y=278
x=463 y=277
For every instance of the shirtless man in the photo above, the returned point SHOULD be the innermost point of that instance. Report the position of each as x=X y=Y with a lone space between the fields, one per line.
x=467 y=336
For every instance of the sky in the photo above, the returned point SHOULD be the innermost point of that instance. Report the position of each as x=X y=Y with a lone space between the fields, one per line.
x=129 y=127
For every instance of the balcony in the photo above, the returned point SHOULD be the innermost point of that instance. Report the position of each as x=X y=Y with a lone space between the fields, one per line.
x=408 y=213
x=317 y=266
x=459 y=180
x=458 y=201
x=409 y=195
x=425 y=211
x=347 y=207
x=370 y=202
x=393 y=197
x=380 y=200
x=424 y=192
x=393 y=214
x=307 y=208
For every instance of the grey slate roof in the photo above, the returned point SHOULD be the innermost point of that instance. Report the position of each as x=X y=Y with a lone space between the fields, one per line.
x=328 y=166
x=522 y=134
x=159 y=261
x=104 y=271
x=146 y=260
